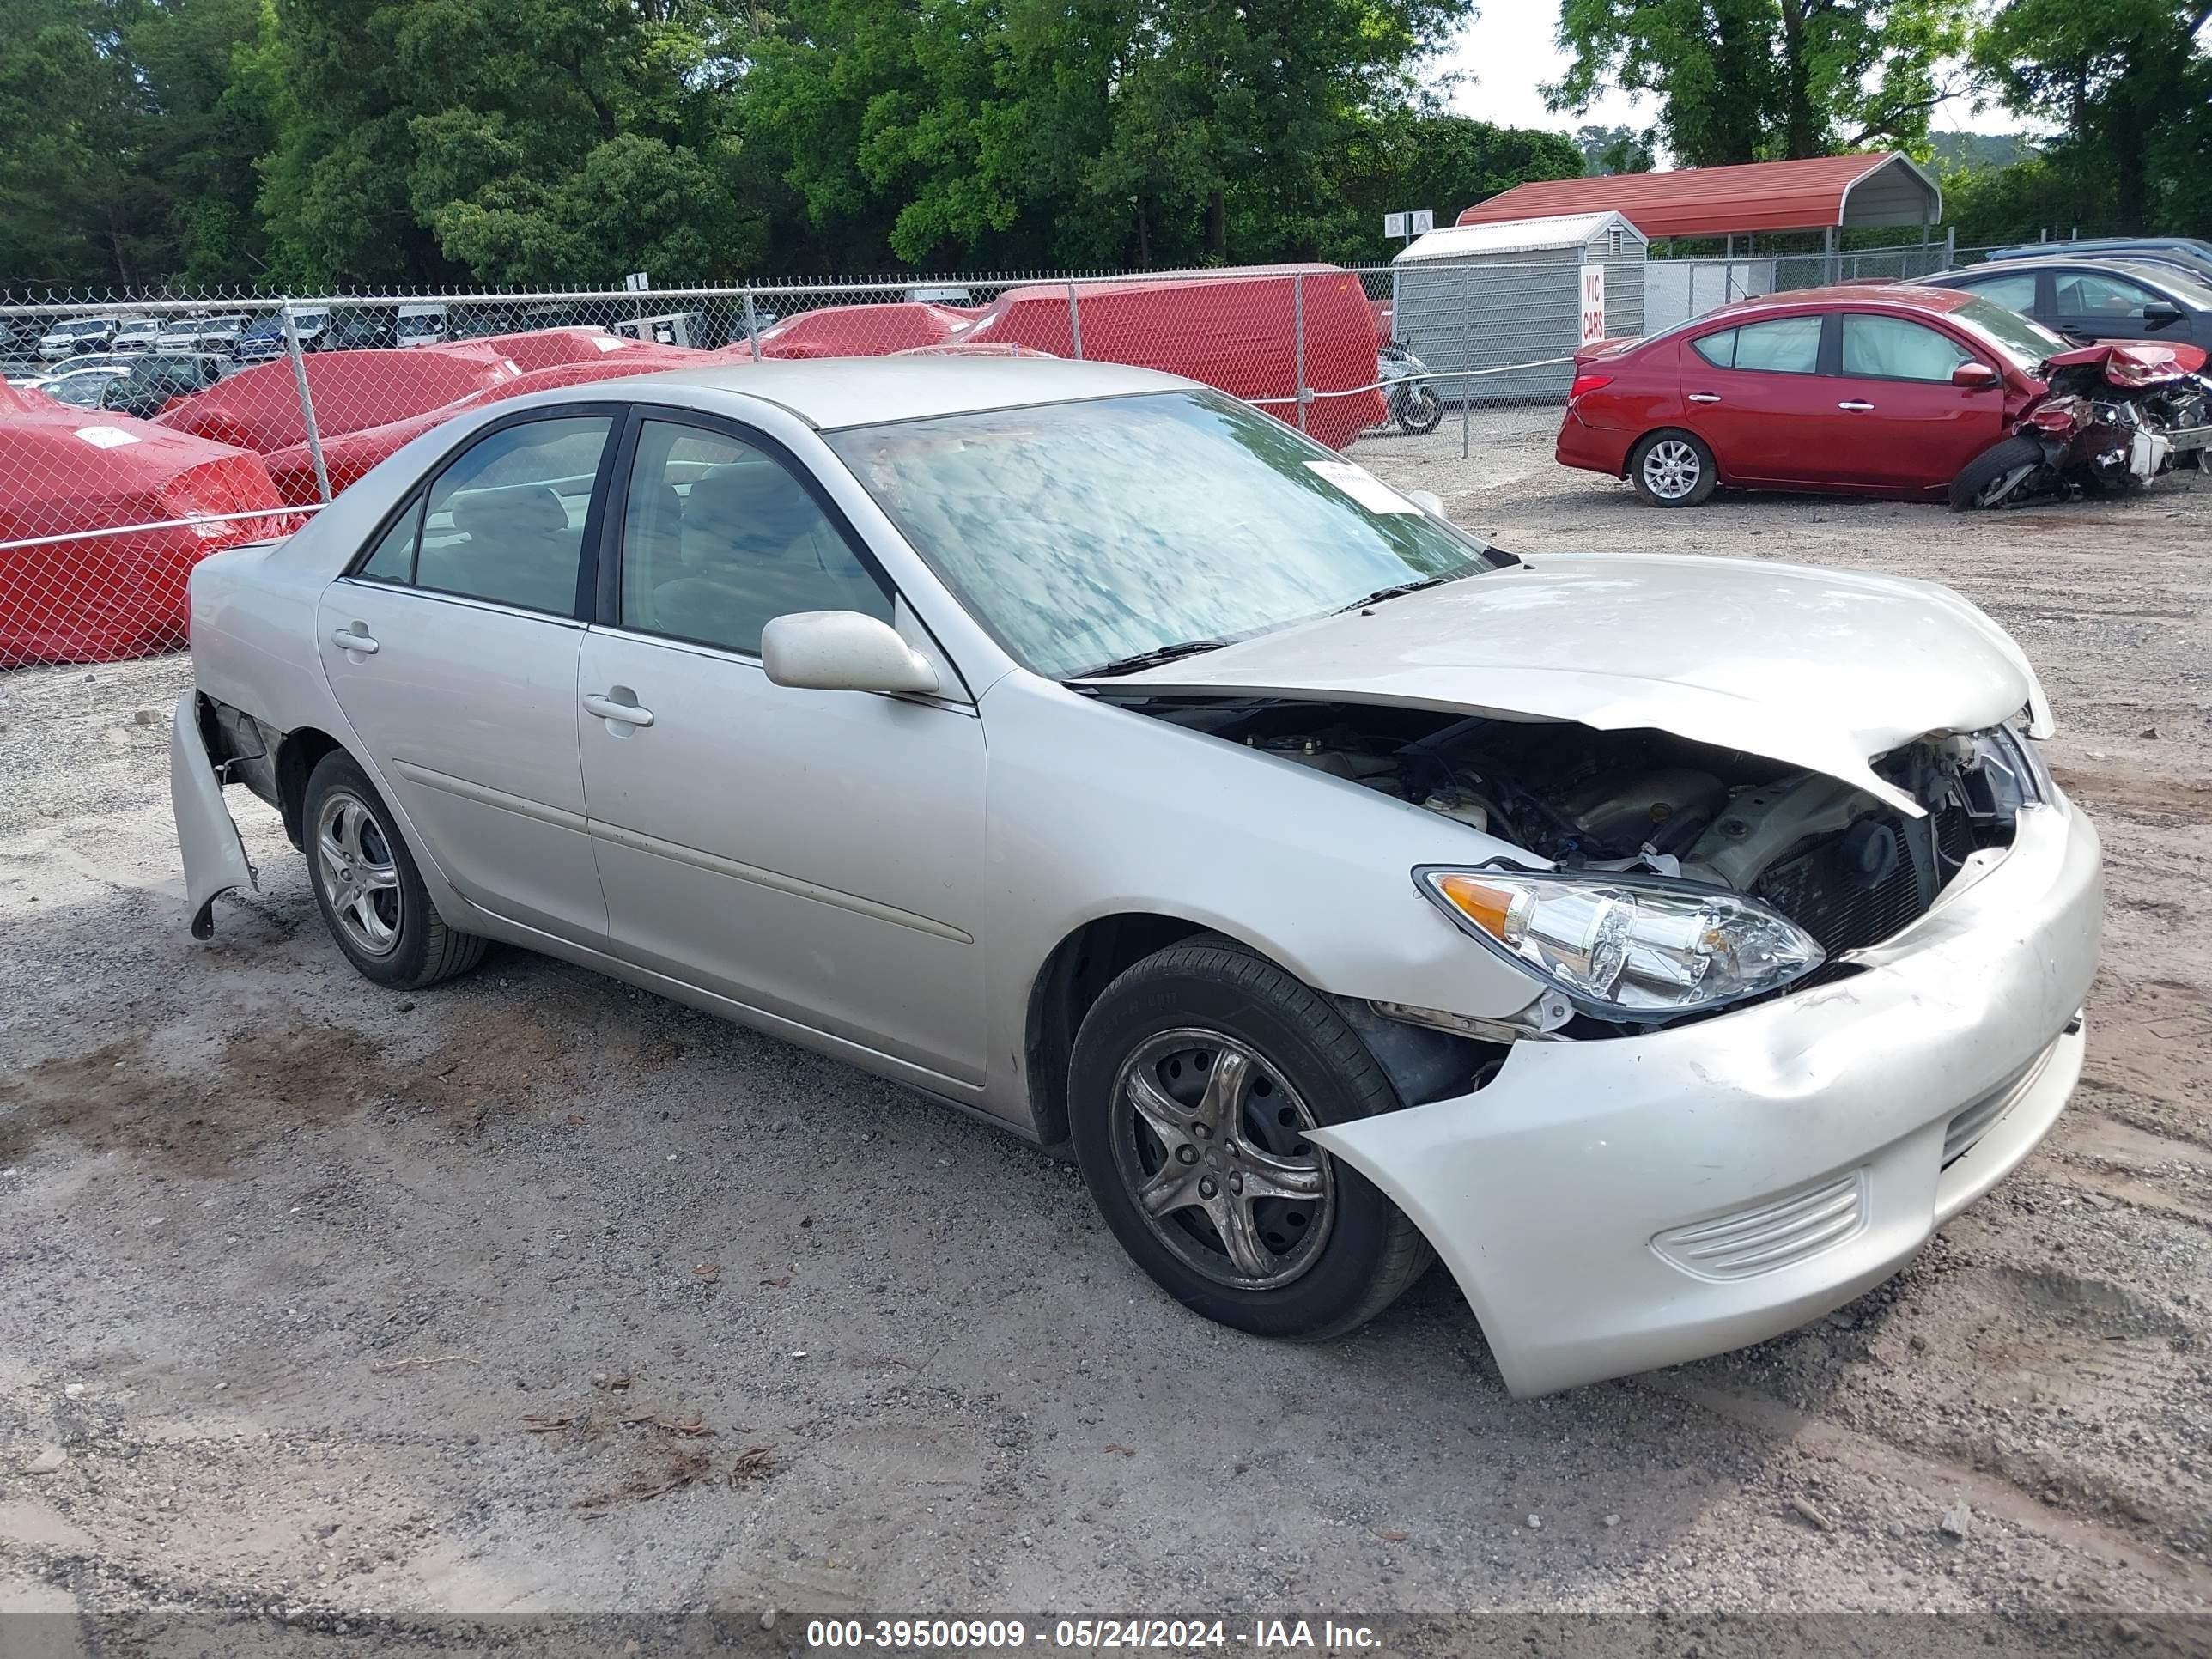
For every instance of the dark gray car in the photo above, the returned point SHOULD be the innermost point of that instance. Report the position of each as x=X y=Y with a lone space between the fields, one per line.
x=2095 y=299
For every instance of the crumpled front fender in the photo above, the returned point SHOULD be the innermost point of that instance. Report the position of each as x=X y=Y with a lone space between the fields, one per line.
x=215 y=857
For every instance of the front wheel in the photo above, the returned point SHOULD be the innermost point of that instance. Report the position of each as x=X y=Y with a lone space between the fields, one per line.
x=1419 y=409
x=1195 y=1079
x=1673 y=468
x=2000 y=475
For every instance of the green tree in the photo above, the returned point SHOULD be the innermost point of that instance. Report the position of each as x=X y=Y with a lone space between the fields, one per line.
x=515 y=141
x=1085 y=131
x=1426 y=159
x=2130 y=83
x=1616 y=149
x=74 y=202
x=1764 y=80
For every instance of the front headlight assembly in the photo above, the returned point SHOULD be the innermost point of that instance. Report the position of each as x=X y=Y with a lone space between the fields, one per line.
x=1626 y=947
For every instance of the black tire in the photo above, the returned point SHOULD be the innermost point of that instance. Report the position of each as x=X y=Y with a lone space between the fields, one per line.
x=1354 y=1254
x=1988 y=469
x=1692 y=462
x=421 y=950
x=1420 y=410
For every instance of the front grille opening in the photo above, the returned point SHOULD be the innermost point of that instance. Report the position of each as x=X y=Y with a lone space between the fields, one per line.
x=1876 y=879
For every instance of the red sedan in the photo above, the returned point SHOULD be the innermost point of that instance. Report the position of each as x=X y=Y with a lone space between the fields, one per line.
x=1875 y=391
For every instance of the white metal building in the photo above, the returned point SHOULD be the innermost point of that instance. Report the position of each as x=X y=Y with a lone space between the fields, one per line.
x=1490 y=296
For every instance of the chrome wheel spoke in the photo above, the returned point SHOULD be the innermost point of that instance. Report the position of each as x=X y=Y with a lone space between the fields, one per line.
x=1170 y=1119
x=1267 y=1176
x=1233 y=1219
x=1228 y=1083
x=1174 y=1186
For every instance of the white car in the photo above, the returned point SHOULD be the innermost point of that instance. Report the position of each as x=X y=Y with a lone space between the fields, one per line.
x=1668 y=943
x=82 y=335
x=137 y=334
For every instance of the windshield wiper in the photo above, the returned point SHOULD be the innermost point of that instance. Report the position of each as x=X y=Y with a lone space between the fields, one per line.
x=1151 y=659
x=1415 y=586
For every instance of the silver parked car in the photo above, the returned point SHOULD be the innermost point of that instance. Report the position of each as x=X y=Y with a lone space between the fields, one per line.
x=1668 y=943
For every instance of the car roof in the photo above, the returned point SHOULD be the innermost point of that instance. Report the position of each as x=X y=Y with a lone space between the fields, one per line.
x=1900 y=297
x=828 y=392
x=2147 y=270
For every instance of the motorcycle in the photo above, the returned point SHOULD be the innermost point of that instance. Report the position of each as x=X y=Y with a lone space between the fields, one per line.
x=2111 y=416
x=1414 y=404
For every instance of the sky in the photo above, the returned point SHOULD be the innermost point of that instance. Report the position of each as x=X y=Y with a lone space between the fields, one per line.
x=1508 y=53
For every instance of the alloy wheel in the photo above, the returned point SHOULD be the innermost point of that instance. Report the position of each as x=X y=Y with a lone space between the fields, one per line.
x=1671 y=469
x=360 y=876
x=1209 y=1141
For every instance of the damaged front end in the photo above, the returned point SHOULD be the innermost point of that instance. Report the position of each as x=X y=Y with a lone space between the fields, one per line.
x=1644 y=880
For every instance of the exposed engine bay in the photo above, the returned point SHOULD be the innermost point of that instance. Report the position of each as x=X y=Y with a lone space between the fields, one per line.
x=1847 y=868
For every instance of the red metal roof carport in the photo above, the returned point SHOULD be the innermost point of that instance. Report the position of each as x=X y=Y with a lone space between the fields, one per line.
x=1825 y=192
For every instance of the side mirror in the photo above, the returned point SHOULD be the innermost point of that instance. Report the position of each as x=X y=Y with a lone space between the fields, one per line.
x=843 y=651
x=1974 y=375
x=1428 y=500
x=2160 y=314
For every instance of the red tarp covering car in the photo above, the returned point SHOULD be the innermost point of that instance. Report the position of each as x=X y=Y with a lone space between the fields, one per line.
x=1239 y=332
x=258 y=408
x=864 y=330
x=105 y=598
x=350 y=454
x=543 y=348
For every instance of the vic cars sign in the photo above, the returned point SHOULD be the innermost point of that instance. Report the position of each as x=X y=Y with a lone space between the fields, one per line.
x=1593 y=313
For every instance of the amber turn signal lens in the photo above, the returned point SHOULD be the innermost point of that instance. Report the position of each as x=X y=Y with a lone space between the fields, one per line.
x=1486 y=907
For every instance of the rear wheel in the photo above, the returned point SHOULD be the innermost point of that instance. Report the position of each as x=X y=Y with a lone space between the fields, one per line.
x=1195 y=1079
x=1998 y=477
x=1673 y=468
x=368 y=888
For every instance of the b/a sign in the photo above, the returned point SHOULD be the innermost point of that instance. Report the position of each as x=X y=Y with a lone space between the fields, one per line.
x=1414 y=222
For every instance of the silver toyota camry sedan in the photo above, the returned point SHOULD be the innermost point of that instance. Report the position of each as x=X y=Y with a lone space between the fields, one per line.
x=1668 y=944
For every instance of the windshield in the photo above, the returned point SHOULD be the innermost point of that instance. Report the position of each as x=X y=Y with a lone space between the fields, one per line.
x=1084 y=534
x=2183 y=285
x=2027 y=344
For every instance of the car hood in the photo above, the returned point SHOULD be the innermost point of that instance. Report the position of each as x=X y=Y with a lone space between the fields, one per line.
x=1817 y=669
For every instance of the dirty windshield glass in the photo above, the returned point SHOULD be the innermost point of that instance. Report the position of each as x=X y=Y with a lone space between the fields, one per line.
x=1086 y=534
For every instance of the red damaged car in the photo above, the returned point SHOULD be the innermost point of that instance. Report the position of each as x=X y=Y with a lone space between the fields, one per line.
x=1863 y=391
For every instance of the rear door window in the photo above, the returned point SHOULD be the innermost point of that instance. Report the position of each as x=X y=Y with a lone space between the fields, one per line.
x=1788 y=345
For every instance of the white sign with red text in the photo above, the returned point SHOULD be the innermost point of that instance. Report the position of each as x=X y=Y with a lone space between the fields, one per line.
x=1593 y=329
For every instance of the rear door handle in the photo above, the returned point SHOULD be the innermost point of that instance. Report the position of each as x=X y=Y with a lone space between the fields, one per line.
x=1855 y=408
x=624 y=713
x=347 y=639
x=1705 y=397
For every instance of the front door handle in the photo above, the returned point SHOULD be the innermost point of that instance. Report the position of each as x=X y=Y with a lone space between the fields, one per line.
x=1855 y=408
x=1705 y=397
x=623 y=713
x=354 y=638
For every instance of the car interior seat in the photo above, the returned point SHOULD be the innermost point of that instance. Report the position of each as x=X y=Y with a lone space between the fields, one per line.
x=753 y=546
x=514 y=545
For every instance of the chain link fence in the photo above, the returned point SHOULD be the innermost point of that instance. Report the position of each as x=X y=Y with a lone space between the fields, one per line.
x=141 y=433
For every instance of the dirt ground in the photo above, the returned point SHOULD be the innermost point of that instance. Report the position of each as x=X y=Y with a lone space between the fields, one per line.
x=533 y=1293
